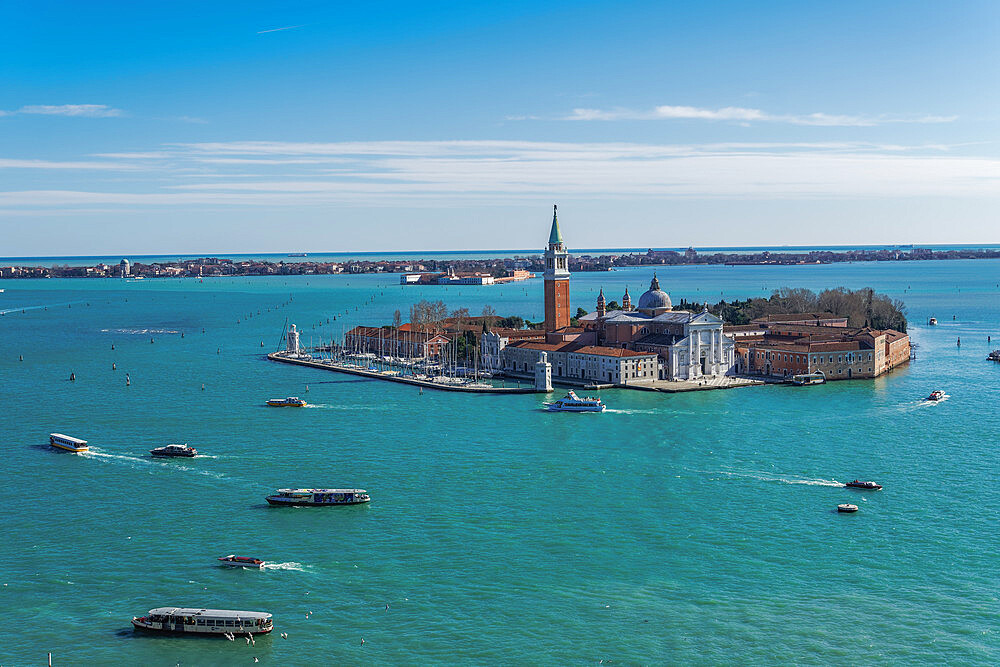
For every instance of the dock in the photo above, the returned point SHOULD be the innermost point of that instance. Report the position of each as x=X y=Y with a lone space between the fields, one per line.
x=330 y=365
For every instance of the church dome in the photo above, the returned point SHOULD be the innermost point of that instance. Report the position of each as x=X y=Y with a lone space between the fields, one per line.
x=655 y=298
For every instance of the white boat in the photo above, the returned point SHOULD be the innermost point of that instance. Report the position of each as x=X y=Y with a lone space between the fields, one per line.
x=847 y=508
x=805 y=379
x=189 y=620
x=932 y=321
x=573 y=403
x=290 y=402
x=69 y=443
x=936 y=395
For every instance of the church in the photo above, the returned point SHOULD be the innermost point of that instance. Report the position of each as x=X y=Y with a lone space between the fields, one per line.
x=690 y=346
x=627 y=346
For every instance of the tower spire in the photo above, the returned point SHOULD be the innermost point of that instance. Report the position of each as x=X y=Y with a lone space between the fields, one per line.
x=555 y=236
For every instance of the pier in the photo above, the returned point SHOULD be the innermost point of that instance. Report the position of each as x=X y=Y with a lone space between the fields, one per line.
x=331 y=365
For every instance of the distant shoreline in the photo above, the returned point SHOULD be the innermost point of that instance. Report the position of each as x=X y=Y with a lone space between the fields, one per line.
x=497 y=266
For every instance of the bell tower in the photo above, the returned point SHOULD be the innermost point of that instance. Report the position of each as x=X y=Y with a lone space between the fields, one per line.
x=556 y=279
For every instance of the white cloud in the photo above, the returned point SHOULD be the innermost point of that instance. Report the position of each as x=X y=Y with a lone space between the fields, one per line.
x=79 y=110
x=747 y=115
x=434 y=173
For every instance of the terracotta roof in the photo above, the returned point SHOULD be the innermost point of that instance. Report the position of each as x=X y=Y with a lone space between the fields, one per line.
x=602 y=351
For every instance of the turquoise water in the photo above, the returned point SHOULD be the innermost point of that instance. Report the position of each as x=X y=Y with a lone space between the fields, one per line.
x=687 y=528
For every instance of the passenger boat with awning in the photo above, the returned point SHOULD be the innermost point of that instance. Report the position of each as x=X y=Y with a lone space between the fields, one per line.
x=573 y=403
x=318 y=497
x=68 y=443
x=194 y=621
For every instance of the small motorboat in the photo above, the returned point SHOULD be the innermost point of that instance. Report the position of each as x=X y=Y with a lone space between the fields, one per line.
x=847 y=508
x=290 y=402
x=174 y=450
x=936 y=395
x=994 y=355
x=869 y=486
x=232 y=560
x=932 y=321
x=573 y=403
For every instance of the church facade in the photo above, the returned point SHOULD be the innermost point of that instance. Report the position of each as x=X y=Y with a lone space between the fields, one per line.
x=690 y=346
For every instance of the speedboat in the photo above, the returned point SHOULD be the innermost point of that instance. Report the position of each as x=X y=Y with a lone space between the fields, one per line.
x=936 y=395
x=191 y=620
x=847 y=507
x=290 y=402
x=318 y=497
x=994 y=355
x=69 y=443
x=174 y=450
x=573 y=403
x=233 y=560
x=932 y=321
x=870 y=486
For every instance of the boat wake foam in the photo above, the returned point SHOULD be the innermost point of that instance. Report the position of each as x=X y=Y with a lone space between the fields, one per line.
x=291 y=565
x=783 y=480
x=634 y=412
x=143 y=332
x=135 y=460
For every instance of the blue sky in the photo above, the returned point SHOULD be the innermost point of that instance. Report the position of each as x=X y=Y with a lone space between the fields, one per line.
x=253 y=127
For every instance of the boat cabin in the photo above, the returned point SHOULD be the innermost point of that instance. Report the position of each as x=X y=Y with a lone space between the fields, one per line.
x=204 y=621
x=69 y=443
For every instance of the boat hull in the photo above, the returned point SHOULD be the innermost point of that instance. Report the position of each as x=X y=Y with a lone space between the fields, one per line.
x=197 y=631
x=69 y=448
x=284 y=502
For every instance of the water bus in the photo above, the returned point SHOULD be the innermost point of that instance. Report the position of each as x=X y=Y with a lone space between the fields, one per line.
x=870 y=486
x=69 y=443
x=573 y=403
x=805 y=379
x=174 y=450
x=193 y=621
x=290 y=402
x=936 y=395
x=318 y=497
x=232 y=560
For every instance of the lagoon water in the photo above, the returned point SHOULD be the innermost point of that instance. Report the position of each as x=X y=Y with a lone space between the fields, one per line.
x=685 y=528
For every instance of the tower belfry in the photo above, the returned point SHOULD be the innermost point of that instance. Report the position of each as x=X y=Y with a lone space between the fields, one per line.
x=556 y=278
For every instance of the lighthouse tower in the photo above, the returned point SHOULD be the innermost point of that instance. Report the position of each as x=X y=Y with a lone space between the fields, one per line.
x=292 y=342
x=556 y=279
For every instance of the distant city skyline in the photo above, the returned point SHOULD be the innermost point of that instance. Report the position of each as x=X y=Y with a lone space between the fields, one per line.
x=255 y=128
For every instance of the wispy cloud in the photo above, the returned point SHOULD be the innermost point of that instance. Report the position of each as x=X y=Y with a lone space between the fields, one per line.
x=77 y=110
x=435 y=173
x=287 y=27
x=745 y=115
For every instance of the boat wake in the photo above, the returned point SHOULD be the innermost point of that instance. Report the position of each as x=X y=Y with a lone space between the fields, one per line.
x=152 y=463
x=143 y=332
x=634 y=412
x=291 y=565
x=783 y=480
